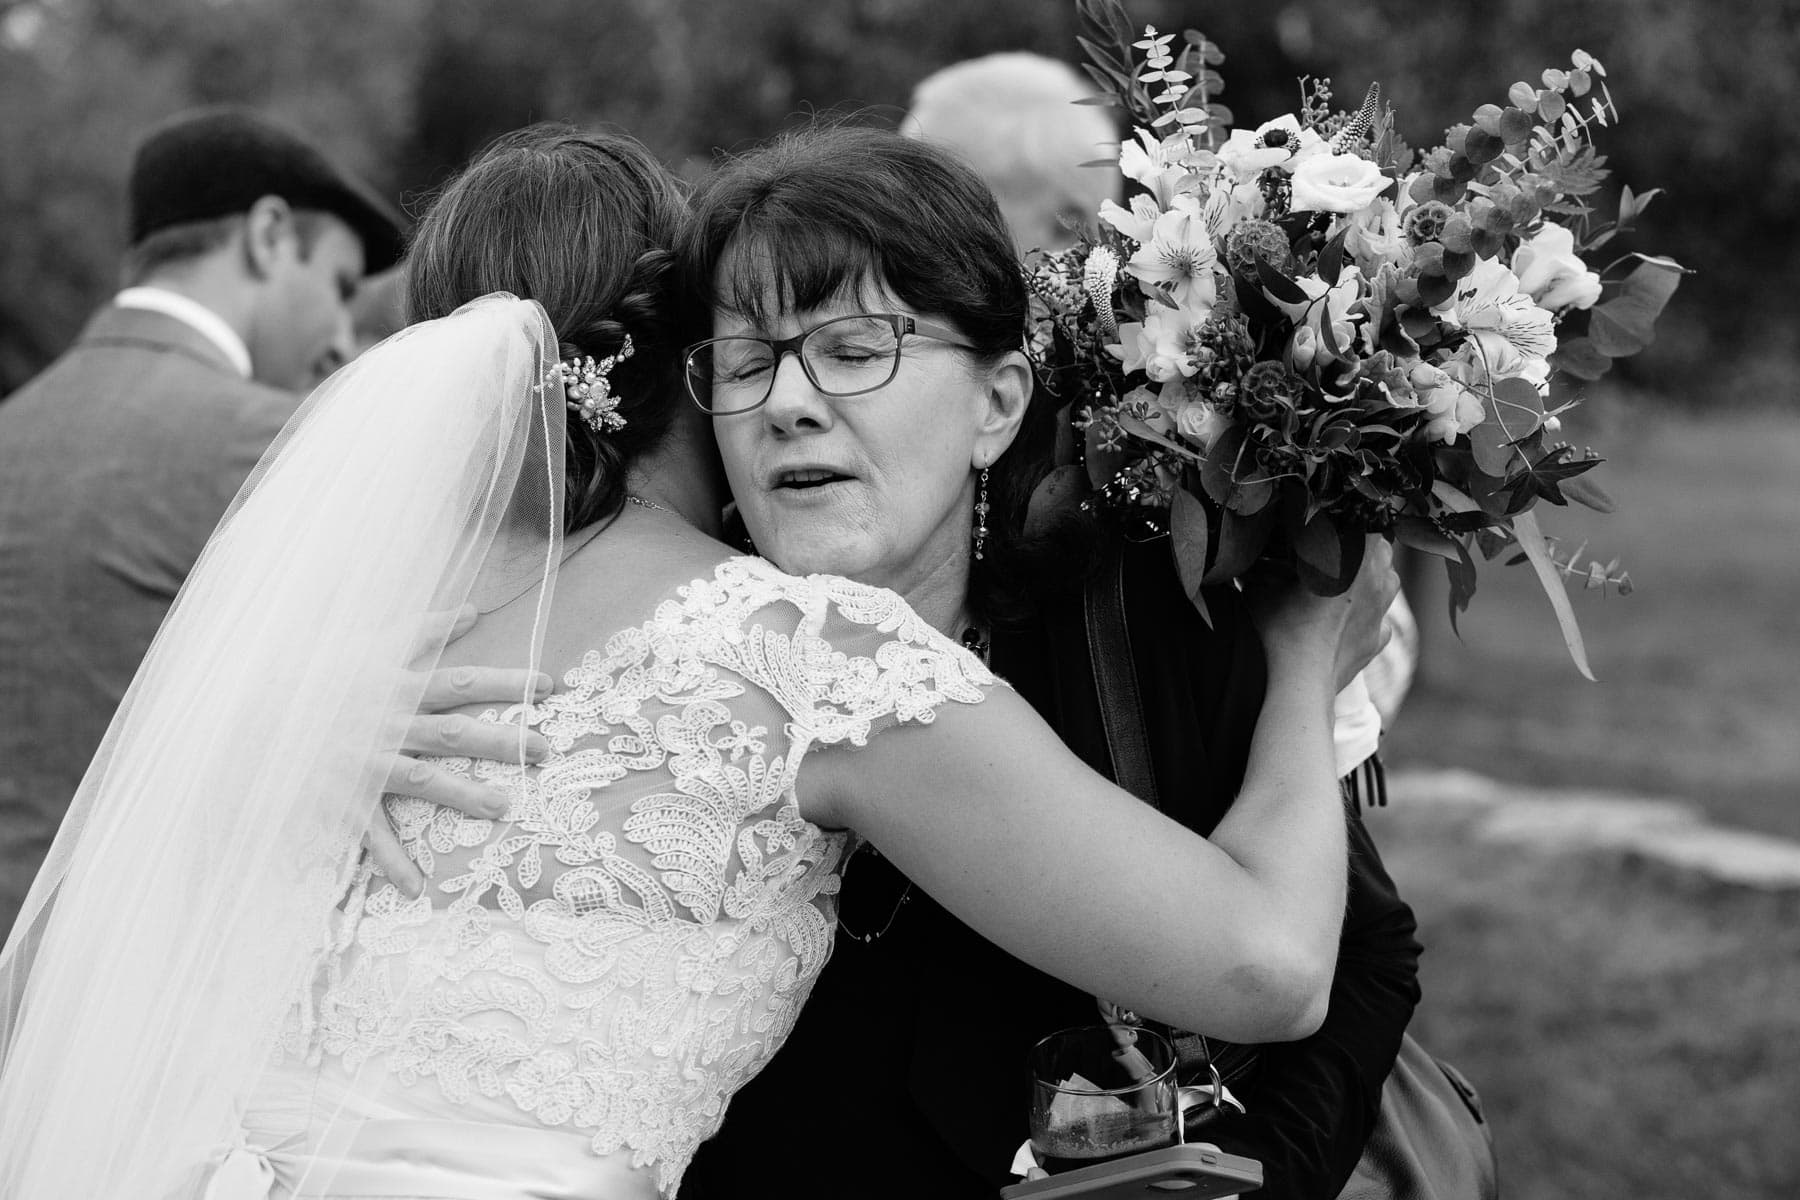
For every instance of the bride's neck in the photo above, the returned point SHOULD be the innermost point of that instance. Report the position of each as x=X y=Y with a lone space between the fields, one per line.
x=683 y=473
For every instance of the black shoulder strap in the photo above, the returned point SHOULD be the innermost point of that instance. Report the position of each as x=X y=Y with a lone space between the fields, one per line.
x=1115 y=679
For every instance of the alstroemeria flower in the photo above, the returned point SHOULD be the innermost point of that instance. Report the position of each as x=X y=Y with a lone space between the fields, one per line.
x=1135 y=222
x=1513 y=335
x=1339 y=183
x=1154 y=164
x=1180 y=254
x=1325 y=302
x=1278 y=143
x=1551 y=273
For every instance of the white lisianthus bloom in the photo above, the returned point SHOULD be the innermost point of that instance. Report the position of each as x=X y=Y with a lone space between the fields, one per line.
x=1551 y=273
x=1250 y=152
x=1180 y=254
x=1339 y=183
x=1375 y=238
x=1154 y=164
x=1326 y=302
x=1453 y=407
x=1135 y=222
x=1512 y=335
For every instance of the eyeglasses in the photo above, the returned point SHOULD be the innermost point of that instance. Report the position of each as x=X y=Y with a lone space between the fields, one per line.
x=845 y=356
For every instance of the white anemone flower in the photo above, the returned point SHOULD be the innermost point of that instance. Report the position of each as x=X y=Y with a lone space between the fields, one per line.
x=1250 y=152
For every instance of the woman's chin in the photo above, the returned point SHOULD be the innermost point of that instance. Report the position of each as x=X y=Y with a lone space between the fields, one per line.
x=800 y=551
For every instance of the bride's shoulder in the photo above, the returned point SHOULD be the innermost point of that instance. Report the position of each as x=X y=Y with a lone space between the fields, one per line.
x=821 y=600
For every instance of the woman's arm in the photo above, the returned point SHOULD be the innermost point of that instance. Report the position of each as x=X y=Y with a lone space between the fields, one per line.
x=990 y=813
x=1312 y=1104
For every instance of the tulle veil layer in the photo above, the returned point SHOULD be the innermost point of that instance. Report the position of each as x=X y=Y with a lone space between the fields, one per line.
x=190 y=891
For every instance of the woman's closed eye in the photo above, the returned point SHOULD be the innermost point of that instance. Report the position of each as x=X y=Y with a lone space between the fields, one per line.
x=736 y=368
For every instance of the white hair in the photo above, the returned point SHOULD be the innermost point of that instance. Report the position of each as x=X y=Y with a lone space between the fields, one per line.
x=1013 y=117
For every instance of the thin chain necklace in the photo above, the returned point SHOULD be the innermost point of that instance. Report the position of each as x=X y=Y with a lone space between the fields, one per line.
x=974 y=639
x=643 y=503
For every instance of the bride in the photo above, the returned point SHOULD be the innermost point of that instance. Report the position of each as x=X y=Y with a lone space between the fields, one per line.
x=210 y=993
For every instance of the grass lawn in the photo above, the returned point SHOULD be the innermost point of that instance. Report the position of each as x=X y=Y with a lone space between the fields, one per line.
x=1633 y=1033
x=1700 y=667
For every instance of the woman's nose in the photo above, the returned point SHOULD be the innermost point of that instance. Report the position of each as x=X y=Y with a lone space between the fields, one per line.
x=794 y=403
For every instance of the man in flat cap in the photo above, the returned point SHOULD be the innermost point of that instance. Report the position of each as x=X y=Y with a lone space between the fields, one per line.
x=116 y=462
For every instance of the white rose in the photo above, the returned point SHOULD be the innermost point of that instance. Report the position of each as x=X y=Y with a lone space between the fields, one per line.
x=1199 y=423
x=1552 y=274
x=1340 y=183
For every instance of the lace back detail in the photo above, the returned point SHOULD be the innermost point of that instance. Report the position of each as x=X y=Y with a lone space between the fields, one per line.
x=633 y=941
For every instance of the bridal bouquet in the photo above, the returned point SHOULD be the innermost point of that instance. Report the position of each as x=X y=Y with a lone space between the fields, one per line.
x=1296 y=335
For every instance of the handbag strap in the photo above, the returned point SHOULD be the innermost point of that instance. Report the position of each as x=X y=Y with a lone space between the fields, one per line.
x=1116 y=681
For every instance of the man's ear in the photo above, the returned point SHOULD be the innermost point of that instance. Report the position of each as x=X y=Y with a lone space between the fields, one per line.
x=268 y=234
x=1009 y=387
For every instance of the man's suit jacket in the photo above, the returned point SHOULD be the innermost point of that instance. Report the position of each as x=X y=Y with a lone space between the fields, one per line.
x=905 y=1076
x=115 y=464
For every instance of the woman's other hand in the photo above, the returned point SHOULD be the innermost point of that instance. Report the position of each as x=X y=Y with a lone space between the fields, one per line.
x=1350 y=628
x=436 y=729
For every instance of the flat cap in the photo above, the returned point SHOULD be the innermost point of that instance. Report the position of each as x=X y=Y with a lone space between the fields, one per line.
x=213 y=162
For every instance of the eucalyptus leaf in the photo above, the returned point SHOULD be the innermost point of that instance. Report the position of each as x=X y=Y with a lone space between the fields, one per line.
x=1581 y=358
x=1537 y=550
x=1241 y=542
x=1188 y=539
x=1056 y=499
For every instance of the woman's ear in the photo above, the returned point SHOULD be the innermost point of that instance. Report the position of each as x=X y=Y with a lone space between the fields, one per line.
x=1009 y=386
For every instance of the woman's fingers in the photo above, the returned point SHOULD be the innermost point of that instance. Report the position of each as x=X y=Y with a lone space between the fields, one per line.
x=428 y=781
x=390 y=856
x=454 y=687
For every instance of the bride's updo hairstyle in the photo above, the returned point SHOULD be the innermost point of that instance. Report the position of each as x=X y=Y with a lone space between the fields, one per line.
x=584 y=223
x=835 y=208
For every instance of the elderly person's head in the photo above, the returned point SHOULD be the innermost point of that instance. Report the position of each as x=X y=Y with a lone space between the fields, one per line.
x=883 y=265
x=1014 y=117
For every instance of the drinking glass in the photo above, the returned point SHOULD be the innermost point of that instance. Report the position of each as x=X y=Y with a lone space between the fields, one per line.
x=1100 y=1092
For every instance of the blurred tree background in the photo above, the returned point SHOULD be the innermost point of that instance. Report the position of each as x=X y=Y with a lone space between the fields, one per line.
x=405 y=90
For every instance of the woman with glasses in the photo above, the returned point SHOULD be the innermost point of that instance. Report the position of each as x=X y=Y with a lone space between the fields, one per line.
x=876 y=418
x=214 y=995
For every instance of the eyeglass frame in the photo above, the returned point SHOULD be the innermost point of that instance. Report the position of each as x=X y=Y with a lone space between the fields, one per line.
x=903 y=324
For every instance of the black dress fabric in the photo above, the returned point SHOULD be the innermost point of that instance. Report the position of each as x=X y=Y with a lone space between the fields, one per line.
x=905 y=1076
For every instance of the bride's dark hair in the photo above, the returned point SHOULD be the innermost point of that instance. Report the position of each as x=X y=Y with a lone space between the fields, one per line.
x=583 y=222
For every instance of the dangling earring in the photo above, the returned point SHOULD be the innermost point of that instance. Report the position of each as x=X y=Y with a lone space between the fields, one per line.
x=981 y=516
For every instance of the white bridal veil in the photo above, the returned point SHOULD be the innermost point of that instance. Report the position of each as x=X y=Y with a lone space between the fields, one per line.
x=190 y=891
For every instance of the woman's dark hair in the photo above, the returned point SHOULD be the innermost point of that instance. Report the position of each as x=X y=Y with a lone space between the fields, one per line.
x=585 y=224
x=833 y=208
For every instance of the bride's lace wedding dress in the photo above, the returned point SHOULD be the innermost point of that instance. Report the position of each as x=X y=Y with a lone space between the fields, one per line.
x=570 y=1005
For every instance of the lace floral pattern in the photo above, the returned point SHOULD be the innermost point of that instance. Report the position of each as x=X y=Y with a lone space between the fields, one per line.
x=631 y=943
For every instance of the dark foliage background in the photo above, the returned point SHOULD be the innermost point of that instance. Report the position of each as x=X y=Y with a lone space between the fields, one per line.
x=404 y=90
